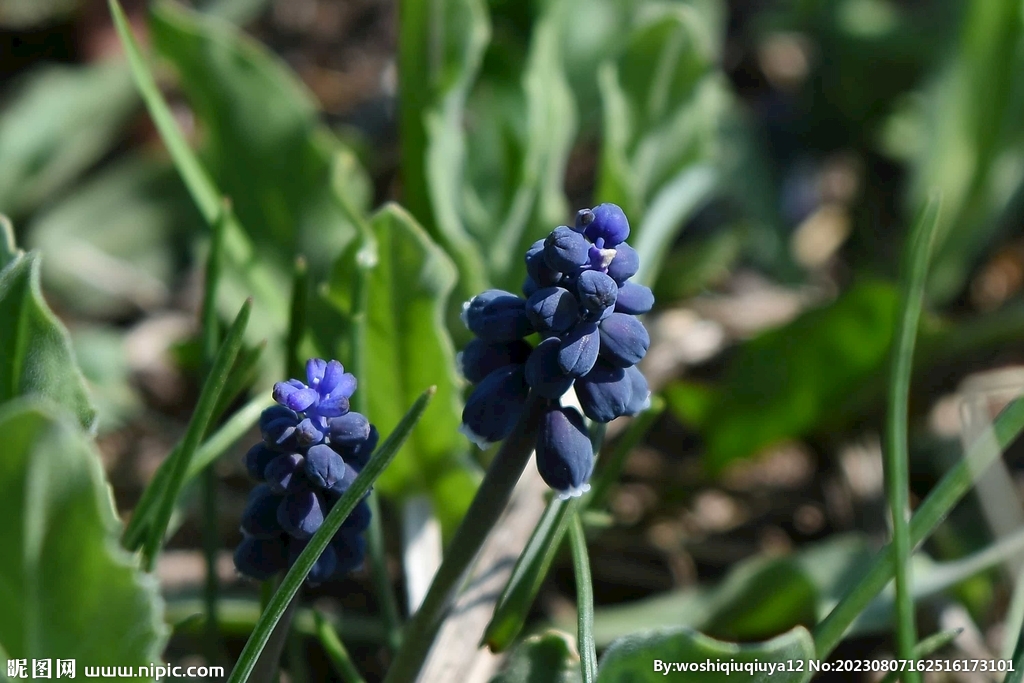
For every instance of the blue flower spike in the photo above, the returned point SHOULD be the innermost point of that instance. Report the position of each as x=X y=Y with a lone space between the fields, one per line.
x=582 y=305
x=312 y=450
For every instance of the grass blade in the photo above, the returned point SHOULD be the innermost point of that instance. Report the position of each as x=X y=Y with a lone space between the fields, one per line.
x=336 y=651
x=584 y=600
x=304 y=563
x=212 y=389
x=897 y=466
x=950 y=489
x=931 y=644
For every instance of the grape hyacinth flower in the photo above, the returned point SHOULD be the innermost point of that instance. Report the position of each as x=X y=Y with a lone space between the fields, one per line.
x=312 y=449
x=579 y=301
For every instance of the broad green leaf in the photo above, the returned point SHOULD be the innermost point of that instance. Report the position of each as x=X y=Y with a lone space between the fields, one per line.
x=785 y=382
x=35 y=351
x=68 y=590
x=645 y=656
x=407 y=347
x=61 y=120
x=440 y=47
x=113 y=245
x=546 y=658
x=263 y=143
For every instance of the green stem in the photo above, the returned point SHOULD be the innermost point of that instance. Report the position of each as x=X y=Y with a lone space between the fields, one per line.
x=950 y=489
x=488 y=504
x=897 y=461
x=584 y=600
x=926 y=647
x=336 y=651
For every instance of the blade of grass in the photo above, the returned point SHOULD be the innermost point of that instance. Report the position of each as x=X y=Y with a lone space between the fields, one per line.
x=932 y=643
x=336 y=651
x=304 y=563
x=897 y=461
x=584 y=600
x=242 y=377
x=1017 y=674
x=212 y=388
x=489 y=502
x=942 y=498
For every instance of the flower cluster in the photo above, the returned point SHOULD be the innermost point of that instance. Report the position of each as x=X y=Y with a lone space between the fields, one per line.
x=580 y=302
x=313 y=447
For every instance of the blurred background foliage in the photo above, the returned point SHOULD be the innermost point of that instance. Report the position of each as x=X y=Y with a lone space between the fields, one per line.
x=770 y=156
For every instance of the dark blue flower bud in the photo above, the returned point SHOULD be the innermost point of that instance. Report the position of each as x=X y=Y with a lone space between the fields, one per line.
x=634 y=299
x=350 y=549
x=326 y=469
x=579 y=348
x=624 y=340
x=308 y=433
x=259 y=519
x=537 y=266
x=584 y=217
x=552 y=309
x=497 y=315
x=295 y=395
x=624 y=264
x=566 y=250
x=358 y=455
x=565 y=458
x=609 y=224
x=543 y=371
x=597 y=292
x=284 y=474
x=301 y=514
x=334 y=405
x=359 y=519
x=280 y=434
x=324 y=567
x=277 y=412
x=640 y=397
x=257 y=458
x=349 y=430
x=529 y=287
x=481 y=358
x=494 y=407
x=261 y=558
x=604 y=392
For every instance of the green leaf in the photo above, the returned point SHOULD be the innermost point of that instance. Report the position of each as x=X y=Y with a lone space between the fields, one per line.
x=60 y=122
x=785 y=382
x=114 y=243
x=67 y=588
x=644 y=656
x=545 y=658
x=8 y=248
x=264 y=145
x=37 y=358
x=406 y=347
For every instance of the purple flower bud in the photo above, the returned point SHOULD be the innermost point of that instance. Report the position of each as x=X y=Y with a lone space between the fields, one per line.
x=284 y=474
x=329 y=378
x=481 y=358
x=579 y=348
x=624 y=264
x=566 y=250
x=349 y=430
x=565 y=457
x=358 y=455
x=277 y=412
x=529 y=287
x=552 y=309
x=350 y=549
x=308 y=433
x=497 y=315
x=609 y=224
x=280 y=434
x=301 y=514
x=324 y=567
x=543 y=372
x=494 y=407
x=326 y=469
x=295 y=395
x=259 y=519
x=604 y=392
x=257 y=458
x=537 y=266
x=597 y=292
x=634 y=299
x=640 y=396
x=261 y=558
x=584 y=217
x=624 y=340
x=331 y=406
